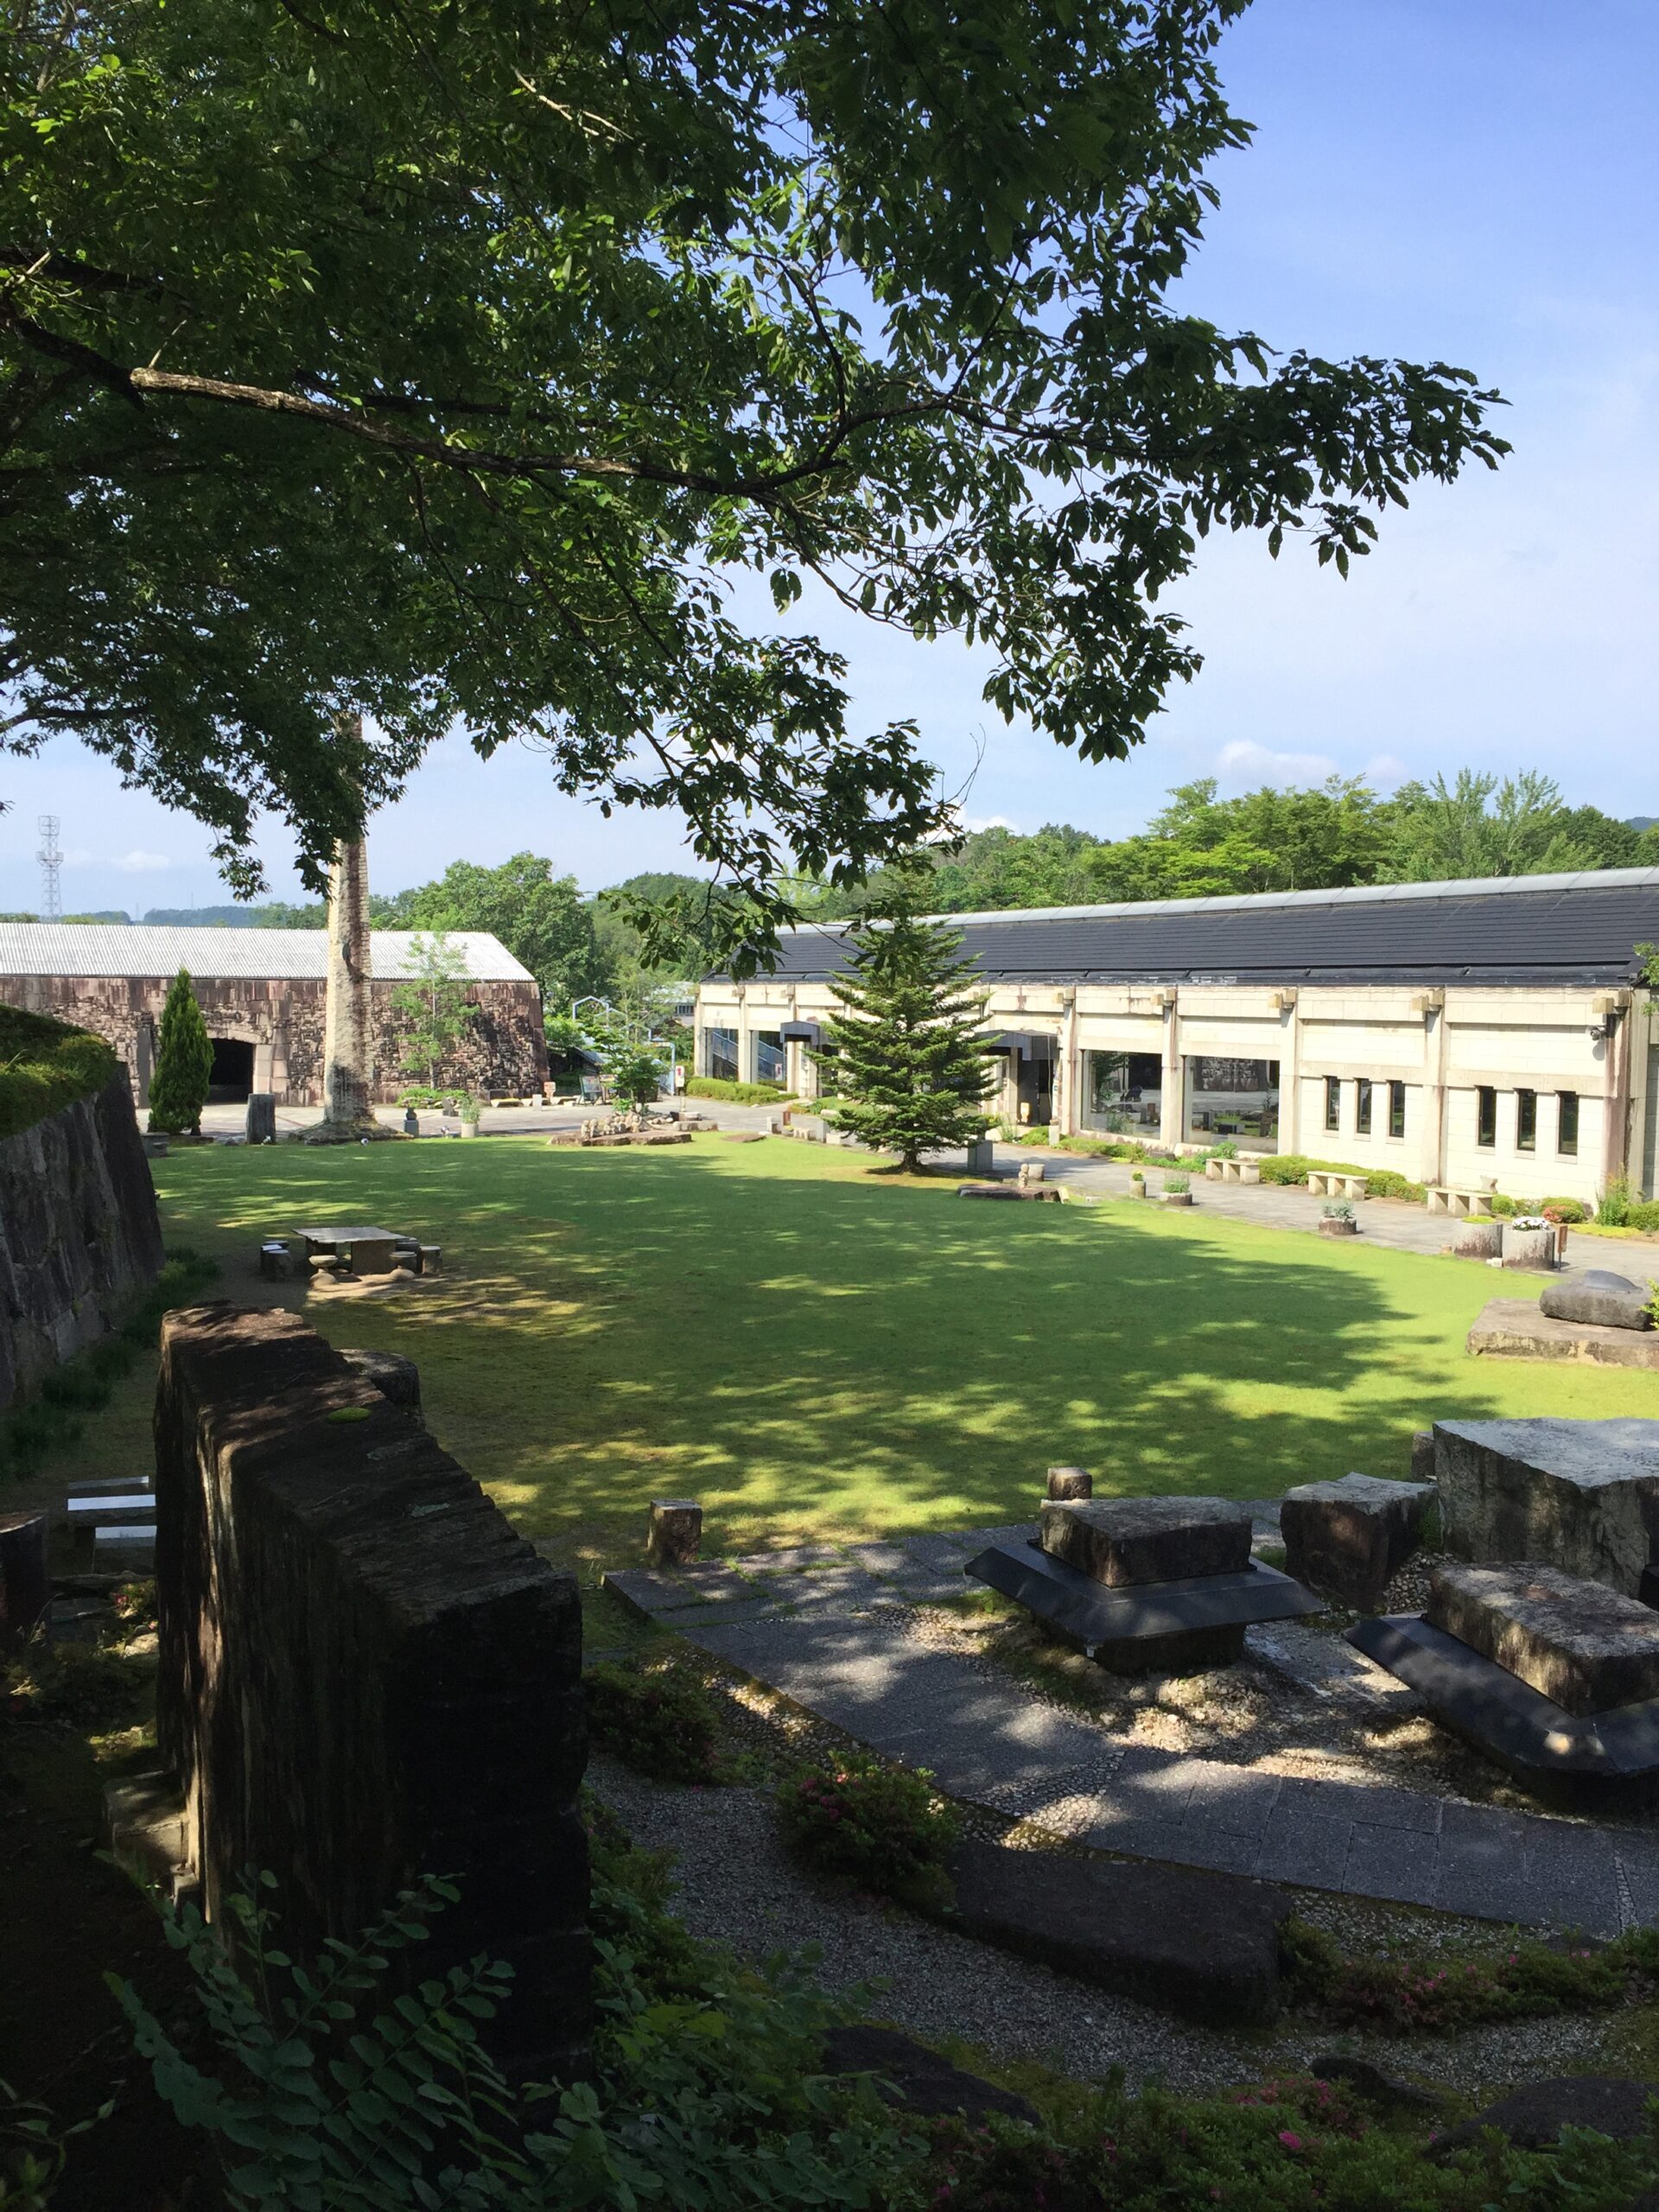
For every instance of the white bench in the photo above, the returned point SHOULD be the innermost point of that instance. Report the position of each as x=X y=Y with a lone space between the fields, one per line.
x=1443 y=1198
x=1232 y=1171
x=1323 y=1183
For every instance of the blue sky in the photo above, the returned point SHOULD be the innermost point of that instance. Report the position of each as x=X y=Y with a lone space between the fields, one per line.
x=1473 y=183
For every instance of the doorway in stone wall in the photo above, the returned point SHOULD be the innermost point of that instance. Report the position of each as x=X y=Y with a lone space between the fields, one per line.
x=232 y=1079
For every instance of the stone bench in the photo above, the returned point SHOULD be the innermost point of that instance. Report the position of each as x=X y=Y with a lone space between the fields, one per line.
x=1322 y=1183
x=1446 y=1197
x=1232 y=1171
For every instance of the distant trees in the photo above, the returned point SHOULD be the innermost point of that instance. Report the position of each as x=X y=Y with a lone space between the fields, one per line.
x=184 y=1063
x=1479 y=827
x=539 y=916
x=432 y=1006
x=911 y=1072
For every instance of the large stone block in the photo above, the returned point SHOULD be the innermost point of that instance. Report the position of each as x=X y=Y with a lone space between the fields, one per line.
x=1579 y=1495
x=365 y=1673
x=1350 y=1537
x=1118 y=1540
x=1582 y=1644
x=1599 y=1297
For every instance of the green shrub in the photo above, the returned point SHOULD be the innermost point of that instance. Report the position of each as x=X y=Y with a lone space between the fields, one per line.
x=1398 y=1996
x=658 y=1721
x=1499 y=1206
x=1385 y=1183
x=1174 y=1185
x=1567 y=1210
x=46 y=1065
x=1614 y=1211
x=1644 y=1216
x=184 y=1063
x=736 y=1094
x=82 y=1685
x=877 y=1825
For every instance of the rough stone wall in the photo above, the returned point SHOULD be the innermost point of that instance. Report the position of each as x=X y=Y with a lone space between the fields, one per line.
x=365 y=1674
x=504 y=1052
x=80 y=1238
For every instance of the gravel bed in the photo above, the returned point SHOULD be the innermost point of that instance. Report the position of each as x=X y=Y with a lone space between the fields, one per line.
x=737 y=1886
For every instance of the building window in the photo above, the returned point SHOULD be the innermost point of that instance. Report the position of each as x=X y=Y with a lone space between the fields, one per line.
x=1526 y=1120
x=723 y=1055
x=1333 y=1102
x=1363 y=1108
x=1396 y=1109
x=1485 y=1115
x=1567 y=1124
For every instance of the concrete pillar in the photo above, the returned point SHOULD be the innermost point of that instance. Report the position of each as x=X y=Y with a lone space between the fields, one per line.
x=1290 y=1073
x=1616 y=1111
x=1172 y=1119
x=1068 y=1075
x=1431 y=1151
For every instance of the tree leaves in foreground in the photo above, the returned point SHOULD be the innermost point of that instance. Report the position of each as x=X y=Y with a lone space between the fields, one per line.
x=497 y=360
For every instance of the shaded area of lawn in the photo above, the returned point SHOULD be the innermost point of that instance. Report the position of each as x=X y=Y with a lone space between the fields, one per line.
x=813 y=1349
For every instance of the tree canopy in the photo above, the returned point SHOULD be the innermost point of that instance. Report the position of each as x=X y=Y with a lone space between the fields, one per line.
x=452 y=360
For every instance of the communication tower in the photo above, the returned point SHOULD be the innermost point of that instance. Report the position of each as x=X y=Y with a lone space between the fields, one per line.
x=50 y=857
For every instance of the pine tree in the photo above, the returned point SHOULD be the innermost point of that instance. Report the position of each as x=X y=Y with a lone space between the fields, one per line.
x=184 y=1063
x=910 y=1070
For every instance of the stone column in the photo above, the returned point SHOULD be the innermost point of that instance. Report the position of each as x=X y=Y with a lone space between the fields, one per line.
x=1290 y=1073
x=1616 y=1104
x=1068 y=1075
x=347 y=1032
x=1431 y=1164
x=1172 y=1119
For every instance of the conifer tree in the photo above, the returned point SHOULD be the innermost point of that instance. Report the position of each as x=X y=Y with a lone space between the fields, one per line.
x=184 y=1063
x=910 y=1070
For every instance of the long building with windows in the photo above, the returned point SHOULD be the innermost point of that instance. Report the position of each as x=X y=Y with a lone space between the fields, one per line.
x=1456 y=1032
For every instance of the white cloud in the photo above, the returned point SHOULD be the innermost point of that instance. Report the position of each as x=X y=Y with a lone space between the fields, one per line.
x=972 y=822
x=1244 y=758
x=1384 y=769
x=139 y=862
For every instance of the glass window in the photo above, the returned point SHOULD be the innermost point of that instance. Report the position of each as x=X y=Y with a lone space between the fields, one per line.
x=1567 y=1124
x=1526 y=1120
x=1485 y=1115
x=1363 y=1108
x=1396 y=1109
x=722 y=1054
x=1333 y=1102
x=1231 y=1098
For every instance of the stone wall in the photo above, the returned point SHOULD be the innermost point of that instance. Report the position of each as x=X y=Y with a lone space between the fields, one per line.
x=80 y=1239
x=365 y=1673
x=503 y=1050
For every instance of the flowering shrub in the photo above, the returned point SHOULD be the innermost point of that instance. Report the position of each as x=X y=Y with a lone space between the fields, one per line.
x=879 y=1826
x=1394 y=1995
x=659 y=1721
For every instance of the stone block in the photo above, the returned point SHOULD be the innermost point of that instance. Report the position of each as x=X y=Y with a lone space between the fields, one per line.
x=1070 y=1484
x=1532 y=2117
x=392 y=1376
x=1478 y=1238
x=1205 y=1944
x=431 y=1258
x=675 y=1535
x=261 y=1123
x=1349 y=1538
x=372 y=1255
x=1587 y=1647
x=25 y=1586
x=1422 y=1455
x=1529 y=1247
x=1514 y=1328
x=1599 y=1297
x=1122 y=1540
x=365 y=1671
x=914 y=2079
x=982 y=1156
x=1579 y=1495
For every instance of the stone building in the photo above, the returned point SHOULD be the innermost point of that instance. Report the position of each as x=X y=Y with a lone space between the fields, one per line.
x=262 y=993
x=1453 y=1032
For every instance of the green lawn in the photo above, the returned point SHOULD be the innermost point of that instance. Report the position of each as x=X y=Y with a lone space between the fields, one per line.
x=813 y=1349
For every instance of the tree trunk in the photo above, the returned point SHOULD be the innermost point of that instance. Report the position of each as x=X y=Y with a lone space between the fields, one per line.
x=347 y=1046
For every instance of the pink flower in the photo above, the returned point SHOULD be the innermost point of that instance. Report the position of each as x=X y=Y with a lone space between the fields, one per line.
x=1291 y=2142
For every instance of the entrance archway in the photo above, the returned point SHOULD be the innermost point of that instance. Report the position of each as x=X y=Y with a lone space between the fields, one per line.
x=232 y=1079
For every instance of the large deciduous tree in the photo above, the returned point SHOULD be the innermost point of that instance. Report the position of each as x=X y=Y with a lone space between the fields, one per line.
x=460 y=359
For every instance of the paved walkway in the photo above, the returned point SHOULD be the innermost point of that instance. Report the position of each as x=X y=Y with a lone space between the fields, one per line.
x=826 y=1628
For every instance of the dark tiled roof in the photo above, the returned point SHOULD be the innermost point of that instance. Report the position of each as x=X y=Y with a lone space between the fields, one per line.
x=1573 y=930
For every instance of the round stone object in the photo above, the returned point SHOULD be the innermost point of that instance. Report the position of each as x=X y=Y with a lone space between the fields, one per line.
x=1599 y=1297
x=392 y=1376
x=1528 y=1248
x=1478 y=1238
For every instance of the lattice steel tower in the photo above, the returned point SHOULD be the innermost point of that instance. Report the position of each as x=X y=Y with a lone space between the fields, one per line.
x=51 y=859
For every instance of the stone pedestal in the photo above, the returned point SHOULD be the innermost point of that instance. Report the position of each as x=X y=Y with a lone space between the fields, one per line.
x=1582 y=1496
x=982 y=1156
x=1349 y=1538
x=1124 y=1540
x=1478 y=1239
x=25 y=1586
x=1587 y=1647
x=1529 y=1247
x=676 y=1533
x=1597 y=1297
x=261 y=1123
x=1071 y=1484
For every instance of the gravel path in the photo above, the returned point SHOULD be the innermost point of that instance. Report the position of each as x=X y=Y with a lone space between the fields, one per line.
x=738 y=1887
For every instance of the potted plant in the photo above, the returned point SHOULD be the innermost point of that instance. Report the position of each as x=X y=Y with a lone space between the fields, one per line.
x=1178 y=1191
x=1137 y=1182
x=470 y=1109
x=1338 y=1220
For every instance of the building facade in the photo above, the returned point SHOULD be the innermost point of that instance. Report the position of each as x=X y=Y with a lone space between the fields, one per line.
x=1455 y=1032
x=261 y=994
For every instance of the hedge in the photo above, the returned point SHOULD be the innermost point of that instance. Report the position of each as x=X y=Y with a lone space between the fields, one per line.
x=44 y=1066
x=736 y=1094
x=1296 y=1168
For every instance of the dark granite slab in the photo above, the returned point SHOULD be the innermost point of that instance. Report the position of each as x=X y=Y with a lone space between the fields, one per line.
x=1079 y=1607
x=1127 y=1540
x=1587 y=1647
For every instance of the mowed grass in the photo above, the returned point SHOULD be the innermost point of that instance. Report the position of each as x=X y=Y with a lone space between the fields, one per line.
x=817 y=1351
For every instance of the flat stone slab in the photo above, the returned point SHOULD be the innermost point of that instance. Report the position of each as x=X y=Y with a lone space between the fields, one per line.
x=1123 y=1540
x=914 y=2079
x=1514 y=1328
x=1587 y=1647
x=1349 y=1537
x=1579 y=1495
x=1598 y=1296
x=1180 y=1627
x=1533 y=2118
x=1206 y=1944
x=1040 y=1192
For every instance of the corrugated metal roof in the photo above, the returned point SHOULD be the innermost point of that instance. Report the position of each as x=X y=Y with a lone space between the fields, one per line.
x=106 y=949
x=1579 y=929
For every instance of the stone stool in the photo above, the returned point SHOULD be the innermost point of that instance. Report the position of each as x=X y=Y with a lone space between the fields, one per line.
x=431 y=1257
x=1070 y=1482
x=676 y=1535
x=1478 y=1238
x=1348 y=1538
x=1529 y=1247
